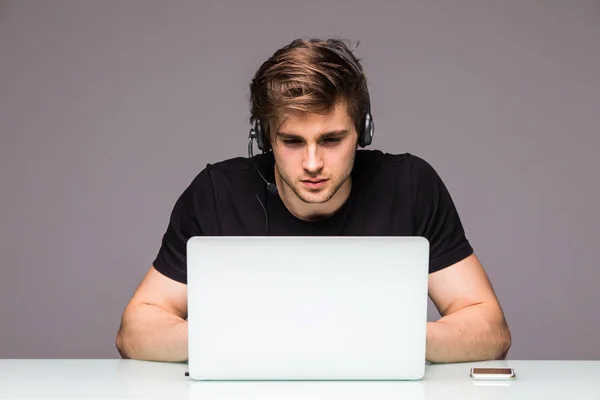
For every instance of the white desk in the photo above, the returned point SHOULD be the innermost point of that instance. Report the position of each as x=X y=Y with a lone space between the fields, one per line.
x=128 y=379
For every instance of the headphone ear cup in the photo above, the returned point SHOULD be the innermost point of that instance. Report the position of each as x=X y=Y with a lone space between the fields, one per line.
x=261 y=143
x=366 y=135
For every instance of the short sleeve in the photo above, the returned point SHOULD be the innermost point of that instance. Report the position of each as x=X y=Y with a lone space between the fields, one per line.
x=186 y=220
x=436 y=217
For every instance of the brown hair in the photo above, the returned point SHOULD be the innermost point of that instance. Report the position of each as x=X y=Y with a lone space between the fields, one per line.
x=308 y=76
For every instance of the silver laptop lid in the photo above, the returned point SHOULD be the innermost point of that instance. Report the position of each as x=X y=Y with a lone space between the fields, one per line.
x=307 y=307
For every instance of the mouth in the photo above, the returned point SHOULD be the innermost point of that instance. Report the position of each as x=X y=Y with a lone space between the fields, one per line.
x=314 y=183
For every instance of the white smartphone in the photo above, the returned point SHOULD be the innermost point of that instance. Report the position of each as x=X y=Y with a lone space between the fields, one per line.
x=493 y=374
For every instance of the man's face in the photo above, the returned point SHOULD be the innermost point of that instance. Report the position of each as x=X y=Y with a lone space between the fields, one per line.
x=314 y=154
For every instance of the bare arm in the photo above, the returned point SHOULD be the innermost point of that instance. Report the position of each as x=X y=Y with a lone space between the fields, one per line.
x=154 y=326
x=472 y=326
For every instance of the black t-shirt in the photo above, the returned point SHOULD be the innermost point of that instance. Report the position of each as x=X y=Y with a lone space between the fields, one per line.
x=391 y=195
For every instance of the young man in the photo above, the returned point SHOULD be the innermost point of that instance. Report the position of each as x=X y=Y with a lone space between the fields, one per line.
x=310 y=113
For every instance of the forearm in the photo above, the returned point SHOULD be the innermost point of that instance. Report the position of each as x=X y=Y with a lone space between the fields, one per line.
x=472 y=334
x=150 y=333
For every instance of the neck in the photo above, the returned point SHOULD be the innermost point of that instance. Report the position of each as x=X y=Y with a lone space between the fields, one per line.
x=312 y=211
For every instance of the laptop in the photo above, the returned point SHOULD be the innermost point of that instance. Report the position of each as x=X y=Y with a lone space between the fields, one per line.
x=307 y=308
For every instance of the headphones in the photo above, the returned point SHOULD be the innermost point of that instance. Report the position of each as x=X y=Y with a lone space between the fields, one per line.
x=366 y=126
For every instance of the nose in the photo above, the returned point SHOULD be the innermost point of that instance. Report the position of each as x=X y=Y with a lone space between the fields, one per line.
x=312 y=161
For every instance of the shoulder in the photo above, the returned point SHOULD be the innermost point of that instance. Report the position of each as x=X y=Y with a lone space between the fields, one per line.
x=394 y=163
x=230 y=166
x=230 y=178
x=229 y=169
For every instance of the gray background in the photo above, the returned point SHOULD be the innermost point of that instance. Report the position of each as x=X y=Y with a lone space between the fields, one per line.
x=109 y=108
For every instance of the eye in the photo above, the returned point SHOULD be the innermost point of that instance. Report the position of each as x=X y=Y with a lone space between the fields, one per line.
x=291 y=142
x=331 y=141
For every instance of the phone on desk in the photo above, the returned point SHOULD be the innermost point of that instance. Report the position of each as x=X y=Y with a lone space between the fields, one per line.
x=493 y=374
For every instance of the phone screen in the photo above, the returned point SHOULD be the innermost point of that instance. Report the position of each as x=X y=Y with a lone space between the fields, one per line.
x=493 y=371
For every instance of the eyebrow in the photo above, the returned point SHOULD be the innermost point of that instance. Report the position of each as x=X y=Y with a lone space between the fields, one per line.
x=287 y=135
